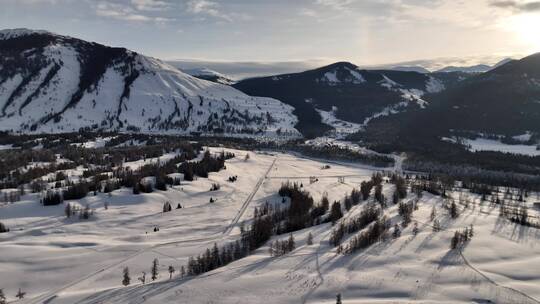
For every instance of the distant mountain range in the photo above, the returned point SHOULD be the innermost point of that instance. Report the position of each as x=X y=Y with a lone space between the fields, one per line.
x=504 y=101
x=351 y=93
x=53 y=83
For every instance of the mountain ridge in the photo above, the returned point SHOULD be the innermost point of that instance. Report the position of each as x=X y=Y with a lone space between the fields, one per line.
x=52 y=83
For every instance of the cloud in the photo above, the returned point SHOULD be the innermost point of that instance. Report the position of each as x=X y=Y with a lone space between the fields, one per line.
x=308 y=12
x=533 y=6
x=206 y=7
x=150 y=5
x=127 y=13
x=335 y=4
x=214 y=9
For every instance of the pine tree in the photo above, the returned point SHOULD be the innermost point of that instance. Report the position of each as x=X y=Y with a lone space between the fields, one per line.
x=338 y=298
x=3 y=228
x=20 y=295
x=182 y=271
x=310 y=239
x=455 y=240
x=335 y=212
x=471 y=232
x=167 y=207
x=143 y=278
x=67 y=210
x=453 y=210
x=397 y=231
x=171 y=271
x=415 y=228
x=127 y=279
x=155 y=271
x=215 y=257
x=436 y=226
x=290 y=243
x=2 y=297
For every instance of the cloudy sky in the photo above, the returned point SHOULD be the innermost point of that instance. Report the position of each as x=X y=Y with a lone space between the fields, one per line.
x=361 y=31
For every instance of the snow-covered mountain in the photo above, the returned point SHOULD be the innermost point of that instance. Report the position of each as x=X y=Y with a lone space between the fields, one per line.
x=412 y=68
x=210 y=75
x=479 y=68
x=474 y=69
x=350 y=93
x=53 y=83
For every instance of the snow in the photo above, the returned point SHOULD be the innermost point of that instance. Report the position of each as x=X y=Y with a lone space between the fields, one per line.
x=393 y=109
x=357 y=77
x=99 y=142
x=6 y=147
x=342 y=128
x=523 y=137
x=14 y=33
x=58 y=260
x=482 y=144
x=388 y=83
x=162 y=99
x=331 y=77
x=434 y=85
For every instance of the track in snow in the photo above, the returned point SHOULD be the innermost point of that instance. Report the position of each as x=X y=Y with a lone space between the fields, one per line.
x=246 y=203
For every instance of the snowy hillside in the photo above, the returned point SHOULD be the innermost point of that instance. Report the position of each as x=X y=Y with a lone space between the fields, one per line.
x=51 y=83
x=210 y=75
x=67 y=260
x=359 y=95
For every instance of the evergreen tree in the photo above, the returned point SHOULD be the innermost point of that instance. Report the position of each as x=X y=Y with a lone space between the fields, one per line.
x=3 y=228
x=415 y=228
x=453 y=210
x=182 y=271
x=455 y=240
x=171 y=271
x=127 y=279
x=155 y=270
x=310 y=239
x=290 y=243
x=167 y=207
x=143 y=278
x=335 y=212
x=67 y=210
x=338 y=298
x=2 y=297
x=20 y=295
x=436 y=226
x=397 y=232
x=379 y=197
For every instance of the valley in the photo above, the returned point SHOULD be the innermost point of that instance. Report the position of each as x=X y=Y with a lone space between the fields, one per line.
x=120 y=233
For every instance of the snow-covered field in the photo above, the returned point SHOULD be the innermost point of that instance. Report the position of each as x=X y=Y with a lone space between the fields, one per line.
x=482 y=144
x=59 y=260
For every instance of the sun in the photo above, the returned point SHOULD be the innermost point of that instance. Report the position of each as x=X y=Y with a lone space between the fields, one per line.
x=527 y=29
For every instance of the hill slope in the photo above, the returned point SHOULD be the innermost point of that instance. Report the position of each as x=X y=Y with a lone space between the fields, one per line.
x=52 y=83
x=348 y=92
x=505 y=100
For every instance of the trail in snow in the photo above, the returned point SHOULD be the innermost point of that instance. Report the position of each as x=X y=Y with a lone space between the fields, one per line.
x=248 y=200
